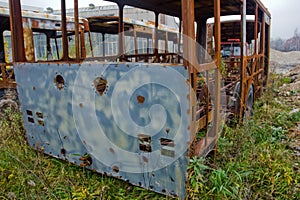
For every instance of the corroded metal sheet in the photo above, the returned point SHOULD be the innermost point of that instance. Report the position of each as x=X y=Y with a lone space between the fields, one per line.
x=127 y=120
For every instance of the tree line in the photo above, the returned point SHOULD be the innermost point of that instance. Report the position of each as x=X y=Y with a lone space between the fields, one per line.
x=291 y=44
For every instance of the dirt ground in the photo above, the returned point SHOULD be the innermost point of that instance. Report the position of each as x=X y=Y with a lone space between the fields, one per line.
x=282 y=62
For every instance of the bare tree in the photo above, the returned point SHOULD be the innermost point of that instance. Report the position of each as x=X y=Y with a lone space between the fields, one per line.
x=293 y=44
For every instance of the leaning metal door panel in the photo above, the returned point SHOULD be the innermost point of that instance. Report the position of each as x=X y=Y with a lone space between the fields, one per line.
x=128 y=120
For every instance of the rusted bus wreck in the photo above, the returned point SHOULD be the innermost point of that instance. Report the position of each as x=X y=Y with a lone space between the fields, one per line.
x=136 y=116
x=42 y=42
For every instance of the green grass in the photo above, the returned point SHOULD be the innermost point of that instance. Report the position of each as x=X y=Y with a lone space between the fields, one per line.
x=254 y=161
x=28 y=174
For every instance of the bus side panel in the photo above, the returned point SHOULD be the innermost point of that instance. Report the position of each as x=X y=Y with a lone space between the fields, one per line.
x=128 y=120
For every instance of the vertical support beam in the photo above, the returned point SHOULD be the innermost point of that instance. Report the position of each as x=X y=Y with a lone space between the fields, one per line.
x=188 y=26
x=243 y=67
x=103 y=44
x=65 y=55
x=148 y=50
x=263 y=44
x=121 y=31
x=262 y=34
x=16 y=27
x=256 y=30
x=217 y=87
x=136 y=45
x=90 y=41
x=267 y=53
x=155 y=39
x=166 y=42
x=49 y=52
x=188 y=19
x=76 y=30
x=255 y=64
x=179 y=40
x=82 y=43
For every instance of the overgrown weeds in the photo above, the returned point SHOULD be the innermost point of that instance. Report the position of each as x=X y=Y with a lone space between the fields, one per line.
x=254 y=161
x=28 y=174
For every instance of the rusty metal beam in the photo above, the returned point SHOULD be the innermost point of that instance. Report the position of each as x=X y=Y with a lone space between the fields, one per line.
x=188 y=19
x=217 y=87
x=262 y=42
x=179 y=40
x=188 y=26
x=243 y=57
x=121 y=31
x=76 y=30
x=136 y=45
x=90 y=41
x=155 y=38
x=268 y=53
x=256 y=29
x=8 y=84
x=65 y=55
x=16 y=28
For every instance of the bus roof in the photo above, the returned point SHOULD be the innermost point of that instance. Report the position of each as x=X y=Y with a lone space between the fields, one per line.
x=4 y=11
x=109 y=24
x=173 y=7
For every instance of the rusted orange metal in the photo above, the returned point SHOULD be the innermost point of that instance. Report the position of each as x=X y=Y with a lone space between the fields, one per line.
x=76 y=15
x=65 y=53
x=16 y=31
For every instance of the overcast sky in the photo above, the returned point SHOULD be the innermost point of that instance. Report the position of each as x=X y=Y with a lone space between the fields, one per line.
x=285 y=13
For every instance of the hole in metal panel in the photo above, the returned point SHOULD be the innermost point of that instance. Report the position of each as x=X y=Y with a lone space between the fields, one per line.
x=29 y=112
x=167 y=142
x=86 y=160
x=172 y=179
x=63 y=152
x=145 y=147
x=115 y=169
x=145 y=143
x=167 y=130
x=59 y=82
x=39 y=114
x=112 y=150
x=41 y=122
x=140 y=99
x=100 y=85
x=31 y=120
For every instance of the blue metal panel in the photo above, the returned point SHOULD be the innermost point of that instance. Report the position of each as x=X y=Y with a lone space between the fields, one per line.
x=127 y=120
